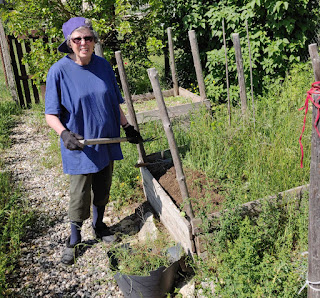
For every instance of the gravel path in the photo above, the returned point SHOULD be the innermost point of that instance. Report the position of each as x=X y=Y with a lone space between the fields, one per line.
x=40 y=273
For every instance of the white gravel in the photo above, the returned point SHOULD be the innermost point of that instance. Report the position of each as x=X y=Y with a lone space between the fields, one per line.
x=40 y=273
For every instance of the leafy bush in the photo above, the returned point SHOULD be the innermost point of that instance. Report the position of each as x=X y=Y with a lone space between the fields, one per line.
x=261 y=256
x=143 y=257
x=279 y=35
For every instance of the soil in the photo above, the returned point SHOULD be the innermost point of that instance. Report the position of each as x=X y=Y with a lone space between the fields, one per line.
x=204 y=192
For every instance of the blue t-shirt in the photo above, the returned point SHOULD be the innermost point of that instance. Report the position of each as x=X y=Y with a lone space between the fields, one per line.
x=86 y=100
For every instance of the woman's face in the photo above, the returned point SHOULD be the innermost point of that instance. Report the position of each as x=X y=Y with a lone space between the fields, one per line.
x=82 y=43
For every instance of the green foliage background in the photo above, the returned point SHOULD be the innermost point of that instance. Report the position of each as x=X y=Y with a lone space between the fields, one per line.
x=279 y=34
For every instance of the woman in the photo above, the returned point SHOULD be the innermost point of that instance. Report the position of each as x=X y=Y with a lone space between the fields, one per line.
x=82 y=101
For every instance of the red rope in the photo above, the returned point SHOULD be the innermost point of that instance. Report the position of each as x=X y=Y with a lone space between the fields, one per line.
x=315 y=89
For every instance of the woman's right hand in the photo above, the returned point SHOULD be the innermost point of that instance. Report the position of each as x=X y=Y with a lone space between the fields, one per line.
x=71 y=140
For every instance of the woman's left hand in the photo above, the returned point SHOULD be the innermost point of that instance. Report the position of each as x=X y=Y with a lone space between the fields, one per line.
x=132 y=135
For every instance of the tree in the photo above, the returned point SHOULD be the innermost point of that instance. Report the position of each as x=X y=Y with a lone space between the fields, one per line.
x=118 y=23
x=279 y=35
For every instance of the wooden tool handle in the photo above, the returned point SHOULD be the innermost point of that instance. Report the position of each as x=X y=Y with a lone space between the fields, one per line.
x=103 y=141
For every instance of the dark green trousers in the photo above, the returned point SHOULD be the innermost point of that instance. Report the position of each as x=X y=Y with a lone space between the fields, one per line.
x=86 y=189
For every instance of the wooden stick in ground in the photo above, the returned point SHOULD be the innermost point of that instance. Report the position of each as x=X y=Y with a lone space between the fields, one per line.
x=153 y=76
x=227 y=72
x=197 y=63
x=98 y=49
x=172 y=63
x=3 y=67
x=251 y=76
x=242 y=84
x=314 y=193
x=127 y=96
x=7 y=64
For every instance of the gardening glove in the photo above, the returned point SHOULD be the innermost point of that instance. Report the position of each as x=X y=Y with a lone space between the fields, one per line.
x=132 y=135
x=70 y=140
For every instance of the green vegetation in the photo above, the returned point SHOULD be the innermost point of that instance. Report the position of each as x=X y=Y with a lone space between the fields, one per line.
x=261 y=255
x=4 y=92
x=279 y=33
x=14 y=214
x=142 y=257
x=248 y=256
x=258 y=256
x=255 y=160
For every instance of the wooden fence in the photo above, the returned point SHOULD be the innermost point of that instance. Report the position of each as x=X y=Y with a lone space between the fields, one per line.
x=17 y=76
x=26 y=88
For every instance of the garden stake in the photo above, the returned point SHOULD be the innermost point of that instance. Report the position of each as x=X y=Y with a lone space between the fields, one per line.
x=127 y=95
x=227 y=73
x=197 y=63
x=314 y=203
x=315 y=89
x=240 y=71
x=153 y=75
x=172 y=63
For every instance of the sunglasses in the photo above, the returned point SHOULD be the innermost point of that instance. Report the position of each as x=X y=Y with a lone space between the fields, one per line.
x=87 y=39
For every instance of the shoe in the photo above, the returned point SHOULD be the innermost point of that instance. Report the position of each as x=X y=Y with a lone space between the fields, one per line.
x=103 y=233
x=70 y=253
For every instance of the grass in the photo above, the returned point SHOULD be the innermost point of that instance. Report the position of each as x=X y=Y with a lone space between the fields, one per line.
x=14 y=213
x=142 y=257
x=4 y=91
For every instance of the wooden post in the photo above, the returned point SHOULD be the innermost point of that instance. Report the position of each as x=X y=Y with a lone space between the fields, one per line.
x=172 y=63
x=24 y=76
x=227 y=72
x=7 y=64
x=153 y=76
x=242 y=84
x=251 y=76
x=3 y=67
x=314 y=193
x=98 y=49
x=127 y=96
x=197 y=63
x=34 y=87
x=12 y=41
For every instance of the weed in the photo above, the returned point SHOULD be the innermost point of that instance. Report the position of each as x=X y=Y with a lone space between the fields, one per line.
x=142 y=257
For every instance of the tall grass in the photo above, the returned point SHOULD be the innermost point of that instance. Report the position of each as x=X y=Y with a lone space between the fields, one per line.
x=252 y=161
x=249 y=160
x=256 y=256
